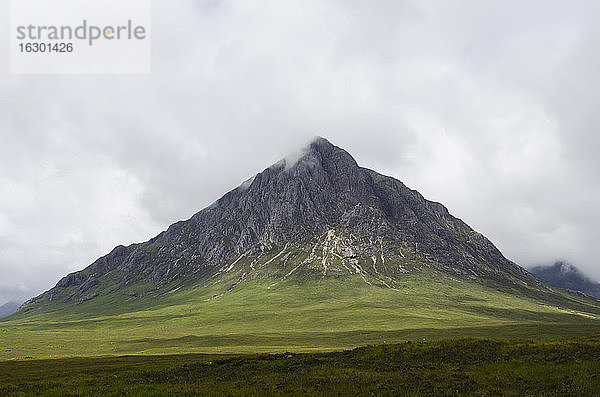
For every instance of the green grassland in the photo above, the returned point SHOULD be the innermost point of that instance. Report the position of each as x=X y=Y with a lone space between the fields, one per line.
x=224 y=334
x=441 y=368
x=300 y=313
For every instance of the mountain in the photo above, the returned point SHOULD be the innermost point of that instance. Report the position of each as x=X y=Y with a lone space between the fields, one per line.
x=314 y=252
x=321 y=213
x=564 y=275
x=8 y=308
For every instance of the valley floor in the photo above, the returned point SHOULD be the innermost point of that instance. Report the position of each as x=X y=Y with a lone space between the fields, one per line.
x=324 y=315
x=188 y=343
x=446 y=367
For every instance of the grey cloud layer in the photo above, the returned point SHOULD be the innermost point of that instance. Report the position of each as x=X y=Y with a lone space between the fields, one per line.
x=487 y=107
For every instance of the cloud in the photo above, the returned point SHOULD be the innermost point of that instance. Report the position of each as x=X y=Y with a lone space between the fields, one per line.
x=489 y=108
x=16 y=293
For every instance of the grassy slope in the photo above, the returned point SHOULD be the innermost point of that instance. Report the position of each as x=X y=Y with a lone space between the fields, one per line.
x=302 y=313
x=448 y=367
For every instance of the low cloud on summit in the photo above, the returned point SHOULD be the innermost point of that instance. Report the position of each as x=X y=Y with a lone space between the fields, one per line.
x=487 y=107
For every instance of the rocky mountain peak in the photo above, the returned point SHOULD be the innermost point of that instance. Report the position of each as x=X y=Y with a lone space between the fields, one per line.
x=325 y=210
x=332 y=158
x=565 y=275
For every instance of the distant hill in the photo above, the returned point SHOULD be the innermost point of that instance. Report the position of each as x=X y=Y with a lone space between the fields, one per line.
x=8 y=308
x=564 y=275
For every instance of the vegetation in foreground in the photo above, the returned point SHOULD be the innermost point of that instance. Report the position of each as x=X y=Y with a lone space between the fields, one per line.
x=447 y=367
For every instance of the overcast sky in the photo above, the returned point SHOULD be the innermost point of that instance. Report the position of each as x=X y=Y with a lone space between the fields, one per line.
x=489 y=107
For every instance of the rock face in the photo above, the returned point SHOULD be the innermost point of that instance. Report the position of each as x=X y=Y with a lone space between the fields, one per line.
x=564 y=275
x=322 y=204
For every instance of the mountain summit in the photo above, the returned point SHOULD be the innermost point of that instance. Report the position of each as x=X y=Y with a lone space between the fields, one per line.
x=564 y=275
x=319 y=216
